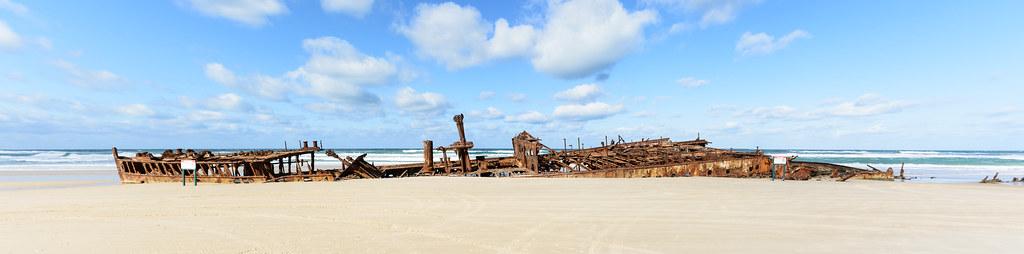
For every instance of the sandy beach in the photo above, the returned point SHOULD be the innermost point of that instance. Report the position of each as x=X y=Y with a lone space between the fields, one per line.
x=517 y=215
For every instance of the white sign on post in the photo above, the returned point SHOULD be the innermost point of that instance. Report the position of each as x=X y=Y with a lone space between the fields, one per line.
x=779 y=160
x=189 y=165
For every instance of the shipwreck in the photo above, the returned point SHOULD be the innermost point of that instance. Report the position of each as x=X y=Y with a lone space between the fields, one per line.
x=618 y=158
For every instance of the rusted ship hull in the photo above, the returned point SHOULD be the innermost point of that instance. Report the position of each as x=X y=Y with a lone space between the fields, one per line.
x=613 y=159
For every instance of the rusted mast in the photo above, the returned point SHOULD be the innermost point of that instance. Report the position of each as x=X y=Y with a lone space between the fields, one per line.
x=462 y=146
x=428 y=157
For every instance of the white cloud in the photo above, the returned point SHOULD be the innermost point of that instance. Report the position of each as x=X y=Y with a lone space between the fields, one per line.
x=457 y=36
x=589 y=111
x=867 y=105
x=355 y=8
x=763 y=44
x=262 y=85
x=228 y=101
x=136 y=110
x=336 y=71
x=489 y=113
x=679 y=27
x=712 y=12
x=249 y=12
x=533 y=117
x=484 y=95
x=579 y=37
x=691 y=82
x=582 y=37
x=205 y=115
x=13 y=7
x=8 y=38
x=218 y=73
x=409 y=101
x=87 y=78
x=517 y=97
x=582 y=92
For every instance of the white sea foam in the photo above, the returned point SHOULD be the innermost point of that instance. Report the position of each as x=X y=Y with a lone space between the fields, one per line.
x=906 y=155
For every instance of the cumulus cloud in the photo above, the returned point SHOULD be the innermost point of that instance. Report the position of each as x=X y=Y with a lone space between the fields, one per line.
x=712 y=12
x=582 y=37
x=249 y=12
x=589 y=111
x=691 y=82
x=335 y=71
x=87 y=78
x=579 y=37
x=259 y=84
x=8 y=38
x=135 y=110
x=751 y=44
x=582 y=92
x=408 y=100
x=458 y=37
x=533 y=117
x=355 y=8
x=220 y=74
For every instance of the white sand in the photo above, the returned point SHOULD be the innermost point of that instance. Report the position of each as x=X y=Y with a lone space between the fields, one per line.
x=473 y=215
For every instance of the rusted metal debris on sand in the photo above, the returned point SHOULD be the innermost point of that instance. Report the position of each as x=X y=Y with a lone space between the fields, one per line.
x=619 y=158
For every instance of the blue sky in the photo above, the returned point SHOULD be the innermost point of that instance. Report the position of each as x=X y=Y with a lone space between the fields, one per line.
x=365 y=73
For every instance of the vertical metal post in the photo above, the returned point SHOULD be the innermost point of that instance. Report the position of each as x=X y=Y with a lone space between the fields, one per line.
x=428 y=157
x=784 y=169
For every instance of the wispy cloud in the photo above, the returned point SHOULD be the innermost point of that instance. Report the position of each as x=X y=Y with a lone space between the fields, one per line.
x=691 y=82
x=250 y=12
x=355 y=8
x=751 y=44
x=97 y=79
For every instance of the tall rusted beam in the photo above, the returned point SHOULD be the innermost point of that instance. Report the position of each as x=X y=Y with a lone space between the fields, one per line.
x=462 y=146
x=428 y=157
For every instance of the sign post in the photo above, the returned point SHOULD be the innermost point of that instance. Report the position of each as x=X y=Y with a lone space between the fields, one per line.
x=776 y=161
x=189 y=165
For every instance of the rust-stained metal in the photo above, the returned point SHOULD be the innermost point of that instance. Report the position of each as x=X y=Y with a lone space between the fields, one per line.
x=241 y=167
x=995 y=179
x=428 y=158
x=659 y=157
x=461 y=146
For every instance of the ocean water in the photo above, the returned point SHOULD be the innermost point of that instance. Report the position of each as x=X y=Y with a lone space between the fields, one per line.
x=924 y=166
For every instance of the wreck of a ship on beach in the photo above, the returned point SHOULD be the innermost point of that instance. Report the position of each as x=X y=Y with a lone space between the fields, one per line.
x=619 y=158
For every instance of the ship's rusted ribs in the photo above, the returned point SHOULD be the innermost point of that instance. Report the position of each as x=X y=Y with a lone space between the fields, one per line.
x=995 y=179
x=356 y=167
x=240 y=167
